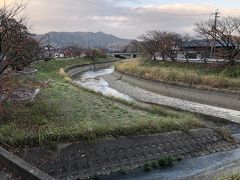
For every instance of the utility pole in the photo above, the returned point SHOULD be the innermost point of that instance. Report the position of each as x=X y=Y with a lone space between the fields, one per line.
x=213 y=48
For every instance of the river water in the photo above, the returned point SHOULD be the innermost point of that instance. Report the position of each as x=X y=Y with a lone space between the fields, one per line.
x=186 y=169
x=93 y=80
x=203 y=167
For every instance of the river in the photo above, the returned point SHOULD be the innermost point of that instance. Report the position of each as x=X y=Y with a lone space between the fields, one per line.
x=205 y=167
x=93 y=80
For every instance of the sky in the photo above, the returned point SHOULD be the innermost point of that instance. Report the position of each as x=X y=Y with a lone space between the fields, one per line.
x=123 y=18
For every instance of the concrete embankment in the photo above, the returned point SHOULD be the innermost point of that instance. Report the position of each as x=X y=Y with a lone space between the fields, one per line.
x=180 y=97
x=138 y=91
x=215 y=97
x=78 y=69
x=121 y=157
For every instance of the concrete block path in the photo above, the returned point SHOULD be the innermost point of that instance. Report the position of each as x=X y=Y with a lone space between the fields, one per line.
x=83 y=160
x=3 y=175
x=6 y=174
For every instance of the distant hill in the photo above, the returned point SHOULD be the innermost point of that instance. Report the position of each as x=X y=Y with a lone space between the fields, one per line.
x=83 y=39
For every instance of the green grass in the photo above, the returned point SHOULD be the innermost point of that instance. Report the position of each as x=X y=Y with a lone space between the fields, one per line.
x=207 y=75
x=163 y=162
x=65 y=112
x=229 y=176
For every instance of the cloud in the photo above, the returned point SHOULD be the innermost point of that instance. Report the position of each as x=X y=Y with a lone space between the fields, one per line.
x=110 y=18
x=127 y=21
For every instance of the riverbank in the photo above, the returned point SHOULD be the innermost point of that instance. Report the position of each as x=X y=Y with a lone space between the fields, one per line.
x=137 y=89
x=205 y=75
x=65 y=113
x=122 y=155
x=74 y=132
x=216 y=166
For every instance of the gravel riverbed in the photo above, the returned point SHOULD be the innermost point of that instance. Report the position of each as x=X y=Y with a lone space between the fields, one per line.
x=150 y=97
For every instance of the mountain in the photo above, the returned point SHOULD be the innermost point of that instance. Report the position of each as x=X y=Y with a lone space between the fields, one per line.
x=83 y=39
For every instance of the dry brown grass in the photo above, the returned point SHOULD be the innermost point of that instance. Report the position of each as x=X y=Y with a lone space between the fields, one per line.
x=179 y=73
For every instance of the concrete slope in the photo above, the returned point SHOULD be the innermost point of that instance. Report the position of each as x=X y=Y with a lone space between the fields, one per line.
x=151 y=97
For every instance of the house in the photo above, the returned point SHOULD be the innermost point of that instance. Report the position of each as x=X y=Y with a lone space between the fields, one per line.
x=61 y=55
x=83 y=54
x=58 y=55
x=201 y=49
x=196 y=50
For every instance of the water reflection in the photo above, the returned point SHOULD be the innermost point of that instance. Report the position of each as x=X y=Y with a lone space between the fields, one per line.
x=93 y=80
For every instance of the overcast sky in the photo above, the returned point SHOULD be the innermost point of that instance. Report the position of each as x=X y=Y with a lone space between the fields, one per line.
x=124 y=18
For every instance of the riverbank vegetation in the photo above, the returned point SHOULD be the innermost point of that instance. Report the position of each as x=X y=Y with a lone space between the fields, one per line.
x=65 y=112
x=207 y=75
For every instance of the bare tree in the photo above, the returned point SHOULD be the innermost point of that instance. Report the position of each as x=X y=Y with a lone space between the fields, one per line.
x=13 y=32
x=135 y=46
x=188 y=46
x=183 y=44
x=25 y=52
x=149 y=44
x=132 y=47
x=164 y=43
x=170 y=44
x=17 y=46
x=226 y=33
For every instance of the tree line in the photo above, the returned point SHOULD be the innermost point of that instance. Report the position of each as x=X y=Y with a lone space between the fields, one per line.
x=214 y=40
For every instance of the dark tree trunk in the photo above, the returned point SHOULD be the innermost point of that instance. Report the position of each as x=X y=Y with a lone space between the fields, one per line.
x=163 y=57
x=3 y=69
x=232 y=62
x=154 y=58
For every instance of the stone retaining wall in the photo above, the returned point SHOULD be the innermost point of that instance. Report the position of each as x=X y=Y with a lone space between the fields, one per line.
x=220 y=98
